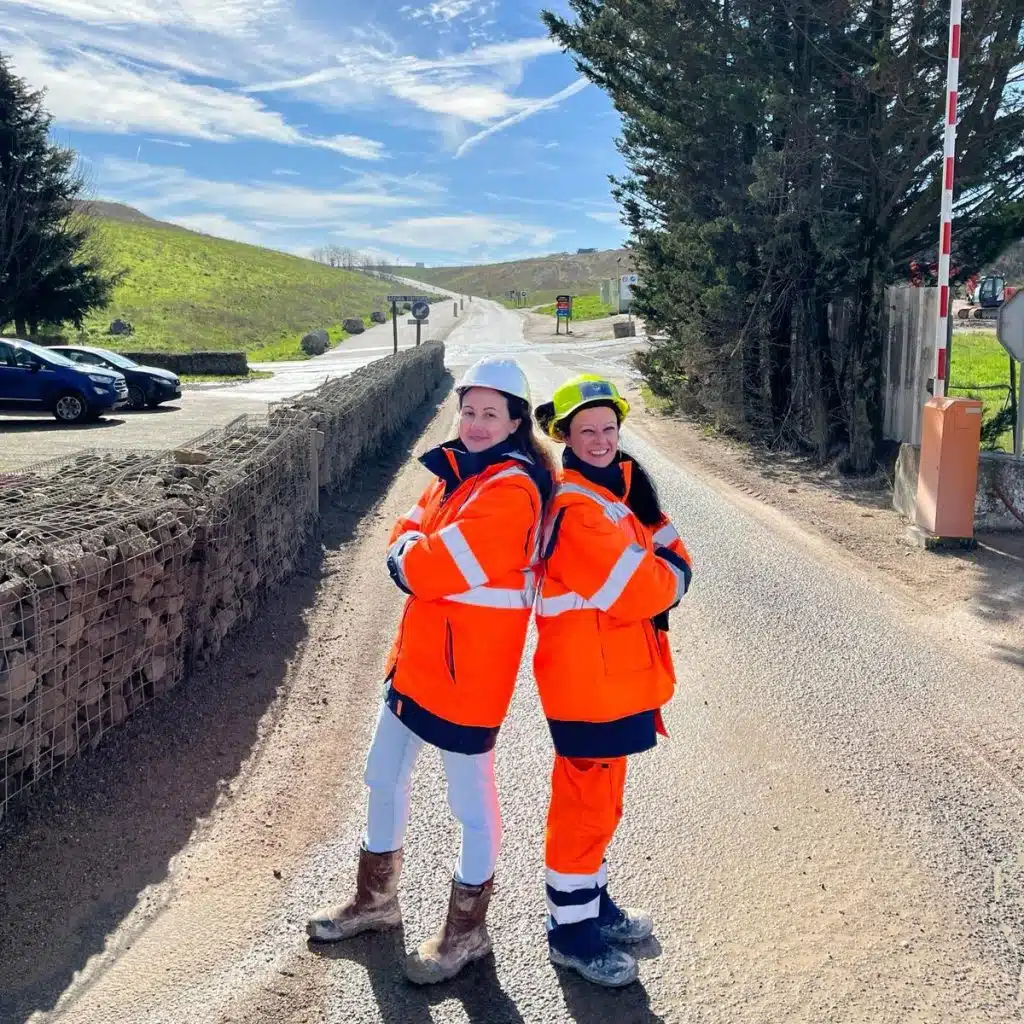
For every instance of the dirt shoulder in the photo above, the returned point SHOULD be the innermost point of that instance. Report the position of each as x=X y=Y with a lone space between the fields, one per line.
x=977 y=595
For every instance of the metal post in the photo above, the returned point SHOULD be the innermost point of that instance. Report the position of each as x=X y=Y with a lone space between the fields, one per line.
x=1018 y=441
x=946 y=216
x=418 y=326
x=455 y=309
x=394 y=323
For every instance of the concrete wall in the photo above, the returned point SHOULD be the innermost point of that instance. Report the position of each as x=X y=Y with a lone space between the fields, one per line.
x=214 y=364
x=998 y=473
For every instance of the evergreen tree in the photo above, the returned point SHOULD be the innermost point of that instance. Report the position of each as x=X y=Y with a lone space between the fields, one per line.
x=50 y=272
x=785 y=166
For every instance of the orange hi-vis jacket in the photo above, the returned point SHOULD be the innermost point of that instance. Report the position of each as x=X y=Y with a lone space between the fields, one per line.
x=600 y=658
x=466 y=554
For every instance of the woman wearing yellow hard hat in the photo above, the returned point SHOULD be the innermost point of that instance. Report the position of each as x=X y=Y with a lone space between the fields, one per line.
x=613 y=567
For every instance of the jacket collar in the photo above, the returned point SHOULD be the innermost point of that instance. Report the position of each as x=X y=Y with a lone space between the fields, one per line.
x=615 y=478
x=454 y=465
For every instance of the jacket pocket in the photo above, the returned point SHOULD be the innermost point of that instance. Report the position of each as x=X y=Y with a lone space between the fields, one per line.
x=449 y=649
x=626 y=648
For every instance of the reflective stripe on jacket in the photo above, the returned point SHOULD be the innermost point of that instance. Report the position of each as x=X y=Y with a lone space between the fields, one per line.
x=466 y=554
x=600 y=658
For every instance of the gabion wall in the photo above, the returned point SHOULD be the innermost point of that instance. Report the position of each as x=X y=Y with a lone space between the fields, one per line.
x=119 y=571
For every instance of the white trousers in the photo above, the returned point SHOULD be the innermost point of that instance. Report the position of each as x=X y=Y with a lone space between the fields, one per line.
x=472 y=797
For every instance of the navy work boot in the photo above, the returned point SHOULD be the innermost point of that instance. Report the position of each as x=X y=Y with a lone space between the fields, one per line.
x=622 y=926
x=582 y=947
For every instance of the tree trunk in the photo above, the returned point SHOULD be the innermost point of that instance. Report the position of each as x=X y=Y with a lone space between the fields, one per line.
x=20 y=327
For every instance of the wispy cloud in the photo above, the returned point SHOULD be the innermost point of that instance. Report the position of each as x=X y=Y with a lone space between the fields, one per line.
x=461 y=234
x=606 y=217
x=93 y=91
x=172 y=190
x=534 y=108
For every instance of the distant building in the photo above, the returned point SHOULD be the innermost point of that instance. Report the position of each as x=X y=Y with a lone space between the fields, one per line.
x=584 y=252
x=420 y=266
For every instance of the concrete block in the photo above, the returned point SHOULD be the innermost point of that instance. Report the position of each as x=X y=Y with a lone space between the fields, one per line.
x=1000 y=488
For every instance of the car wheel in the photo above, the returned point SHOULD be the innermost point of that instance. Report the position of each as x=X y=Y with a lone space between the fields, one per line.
x=71 y=407
x=136 y=397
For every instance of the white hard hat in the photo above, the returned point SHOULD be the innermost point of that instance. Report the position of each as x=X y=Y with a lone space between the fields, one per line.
x=498 y=373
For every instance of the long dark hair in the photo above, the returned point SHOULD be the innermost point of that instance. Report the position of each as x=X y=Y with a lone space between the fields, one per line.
x=643 y=494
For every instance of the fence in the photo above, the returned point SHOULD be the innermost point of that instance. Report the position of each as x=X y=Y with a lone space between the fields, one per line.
x=908 y=359
x=120 y=571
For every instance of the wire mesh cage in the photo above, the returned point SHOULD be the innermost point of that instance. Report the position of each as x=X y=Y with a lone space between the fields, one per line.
x=119 y=570
x=92 y=623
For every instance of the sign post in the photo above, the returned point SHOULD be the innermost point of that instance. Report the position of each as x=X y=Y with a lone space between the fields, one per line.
x=626 y=284
x=1010 y=332
x=420 y=311
x=414 y=301
x=563 y=311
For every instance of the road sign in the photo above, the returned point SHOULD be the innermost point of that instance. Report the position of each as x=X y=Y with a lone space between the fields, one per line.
x=416 y=323
x=630 y=279
x=421 y=309
x=1010 y=326
x=407 y=298
x=563 y=307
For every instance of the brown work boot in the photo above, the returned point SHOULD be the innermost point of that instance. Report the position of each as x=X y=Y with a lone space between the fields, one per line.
x=461 y=939
x=374 y=906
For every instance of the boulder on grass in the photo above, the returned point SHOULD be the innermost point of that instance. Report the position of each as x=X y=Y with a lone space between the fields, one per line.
x=316 y=343
x=353 y=326
x=379 y=318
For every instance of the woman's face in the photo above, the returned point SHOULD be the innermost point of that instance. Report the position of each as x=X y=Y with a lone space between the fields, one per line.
x=594 y=436
x=484 y=420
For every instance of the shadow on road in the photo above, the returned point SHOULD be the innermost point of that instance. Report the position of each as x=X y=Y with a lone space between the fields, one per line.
x=589 y=1004
x=78 y=857
x=382 y=954
x=23 y=425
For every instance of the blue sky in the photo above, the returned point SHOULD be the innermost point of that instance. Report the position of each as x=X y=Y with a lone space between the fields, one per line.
x=444 y=131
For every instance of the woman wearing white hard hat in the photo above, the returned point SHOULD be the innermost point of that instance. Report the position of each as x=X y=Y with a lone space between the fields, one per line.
x=465 y=556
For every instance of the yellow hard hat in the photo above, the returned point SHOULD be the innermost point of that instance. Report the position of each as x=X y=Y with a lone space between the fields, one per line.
x=585 y=389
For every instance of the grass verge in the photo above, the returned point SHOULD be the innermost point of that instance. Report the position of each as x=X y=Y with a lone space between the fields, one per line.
x=980 y=369
x=584 y=307
x=209 y=378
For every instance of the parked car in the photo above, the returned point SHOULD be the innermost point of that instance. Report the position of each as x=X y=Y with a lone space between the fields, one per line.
x=147 y=385
x=37 y=379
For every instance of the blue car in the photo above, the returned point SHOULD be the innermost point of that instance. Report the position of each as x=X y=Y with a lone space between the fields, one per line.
x=35 y=379
x=147 y=385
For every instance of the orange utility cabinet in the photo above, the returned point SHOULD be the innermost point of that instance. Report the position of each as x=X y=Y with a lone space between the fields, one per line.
x=948 y=479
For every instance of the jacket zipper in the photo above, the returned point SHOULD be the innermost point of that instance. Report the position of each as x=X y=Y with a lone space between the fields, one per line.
x=449 y=649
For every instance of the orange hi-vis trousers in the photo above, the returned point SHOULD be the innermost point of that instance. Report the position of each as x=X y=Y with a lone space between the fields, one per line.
x=585 y=810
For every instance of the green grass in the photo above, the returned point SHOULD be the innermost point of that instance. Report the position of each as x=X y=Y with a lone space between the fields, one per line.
x=980 y=369
x=656 y=403
x=187 y=292
x=584 y=307
x=209 y=378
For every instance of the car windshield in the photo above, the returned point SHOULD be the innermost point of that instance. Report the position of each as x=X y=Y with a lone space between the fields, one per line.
x=121 y=362
x=45 y=354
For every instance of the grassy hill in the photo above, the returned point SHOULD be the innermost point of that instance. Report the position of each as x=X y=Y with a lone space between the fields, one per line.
x=190 y=292
x=544 y=277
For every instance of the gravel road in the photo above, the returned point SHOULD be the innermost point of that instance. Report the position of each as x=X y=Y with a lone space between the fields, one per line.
x=833 y=833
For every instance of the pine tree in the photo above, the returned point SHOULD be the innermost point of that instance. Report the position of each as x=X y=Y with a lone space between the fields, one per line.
x=785 y=166
x=50 y=271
